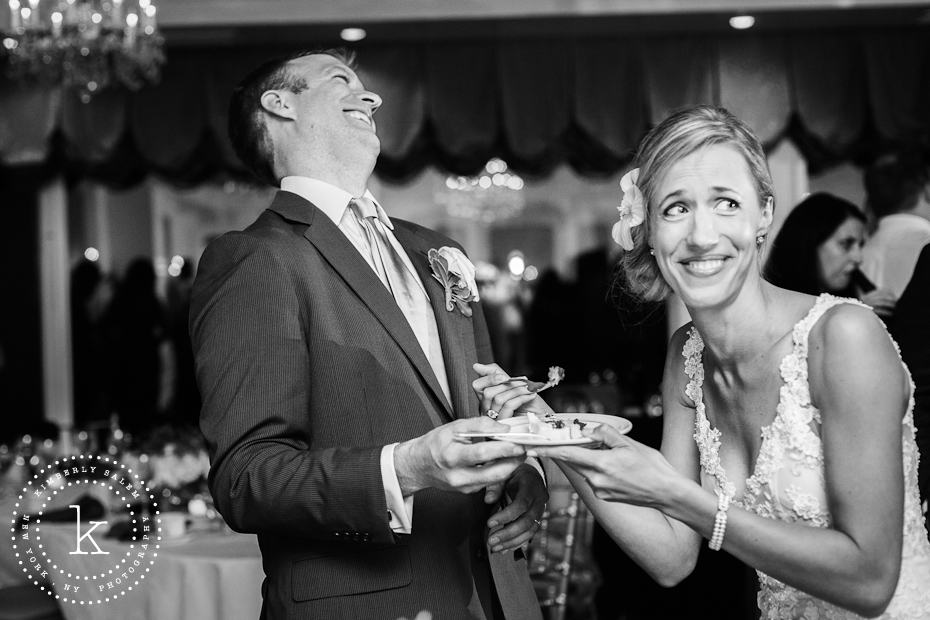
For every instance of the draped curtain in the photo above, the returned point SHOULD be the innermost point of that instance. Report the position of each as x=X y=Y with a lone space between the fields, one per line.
x=536 y=102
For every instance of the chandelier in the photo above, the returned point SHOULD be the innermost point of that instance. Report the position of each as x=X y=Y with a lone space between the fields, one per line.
x=86 y=45
x=495 y=194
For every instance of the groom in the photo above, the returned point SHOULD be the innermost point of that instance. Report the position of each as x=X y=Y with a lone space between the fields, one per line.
x=334 y=379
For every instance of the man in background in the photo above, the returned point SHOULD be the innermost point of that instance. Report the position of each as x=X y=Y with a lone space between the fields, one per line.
x=898 y=194
x=897 y=257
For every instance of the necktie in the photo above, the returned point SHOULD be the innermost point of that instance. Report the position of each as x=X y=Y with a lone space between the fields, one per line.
x=403 y=285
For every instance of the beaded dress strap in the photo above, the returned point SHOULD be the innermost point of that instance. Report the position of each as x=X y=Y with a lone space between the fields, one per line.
x=705 y=436
x=803 y=328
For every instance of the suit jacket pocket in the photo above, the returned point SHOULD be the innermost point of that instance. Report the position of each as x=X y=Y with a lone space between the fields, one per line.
x=356 y=572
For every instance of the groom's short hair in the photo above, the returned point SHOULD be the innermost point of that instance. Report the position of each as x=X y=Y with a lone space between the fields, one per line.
x=246 y=125
x=895 y=180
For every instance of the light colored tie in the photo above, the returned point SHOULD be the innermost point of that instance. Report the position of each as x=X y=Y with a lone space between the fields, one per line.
x=403 y=285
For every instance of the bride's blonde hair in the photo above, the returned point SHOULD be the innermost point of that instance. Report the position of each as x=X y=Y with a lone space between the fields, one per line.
x=678 y=136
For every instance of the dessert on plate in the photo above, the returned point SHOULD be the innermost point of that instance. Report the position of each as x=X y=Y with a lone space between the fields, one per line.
x=556 y=429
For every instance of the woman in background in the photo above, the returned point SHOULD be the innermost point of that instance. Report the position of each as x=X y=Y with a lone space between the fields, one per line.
x=819 y=250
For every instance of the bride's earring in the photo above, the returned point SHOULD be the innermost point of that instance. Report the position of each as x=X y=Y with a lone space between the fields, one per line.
x=760 y=239
x=652 y=251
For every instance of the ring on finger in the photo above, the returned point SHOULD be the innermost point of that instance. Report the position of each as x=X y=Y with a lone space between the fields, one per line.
x=538 y=523
x=492 y=414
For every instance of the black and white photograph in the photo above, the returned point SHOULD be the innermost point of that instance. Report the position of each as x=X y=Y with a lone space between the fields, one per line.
x=464 y=309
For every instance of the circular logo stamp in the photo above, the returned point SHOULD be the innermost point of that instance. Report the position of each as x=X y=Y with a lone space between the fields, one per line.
x=86 y=530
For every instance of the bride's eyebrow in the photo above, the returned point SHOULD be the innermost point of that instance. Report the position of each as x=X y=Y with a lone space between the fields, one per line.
x=678 y=193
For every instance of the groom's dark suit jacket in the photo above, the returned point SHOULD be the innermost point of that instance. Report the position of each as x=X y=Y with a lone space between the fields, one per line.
x=307 y=368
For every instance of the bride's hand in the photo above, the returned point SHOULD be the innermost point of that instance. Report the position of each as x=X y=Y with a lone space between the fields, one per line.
x=626 y=471
x=501 y=394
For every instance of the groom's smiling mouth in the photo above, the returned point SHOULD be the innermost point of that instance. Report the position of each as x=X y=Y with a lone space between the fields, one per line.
x=361 y=117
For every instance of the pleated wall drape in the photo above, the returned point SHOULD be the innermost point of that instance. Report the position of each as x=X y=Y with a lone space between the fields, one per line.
x=537 y=102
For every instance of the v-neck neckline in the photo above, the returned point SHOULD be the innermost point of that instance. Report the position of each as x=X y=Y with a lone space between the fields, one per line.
x=696 y=390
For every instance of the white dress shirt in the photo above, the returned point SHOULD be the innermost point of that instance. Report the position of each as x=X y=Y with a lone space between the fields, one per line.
x=890 y=255
x=334 y=202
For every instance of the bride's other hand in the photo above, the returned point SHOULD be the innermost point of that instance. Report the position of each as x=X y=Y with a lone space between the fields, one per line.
x=625 y=471
x=499 y=393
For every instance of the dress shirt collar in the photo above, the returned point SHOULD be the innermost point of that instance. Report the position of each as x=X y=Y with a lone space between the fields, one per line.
x=329 y=199
x=903 y=221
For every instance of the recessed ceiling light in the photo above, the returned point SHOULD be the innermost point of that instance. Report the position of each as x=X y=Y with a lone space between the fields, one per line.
x=353 y=34
x=742 y=22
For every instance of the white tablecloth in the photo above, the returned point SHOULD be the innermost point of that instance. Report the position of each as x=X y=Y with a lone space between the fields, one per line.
x=197 y=577
x=200 y=576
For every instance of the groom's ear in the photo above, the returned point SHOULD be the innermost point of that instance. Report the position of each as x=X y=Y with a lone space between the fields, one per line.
x=278 y=103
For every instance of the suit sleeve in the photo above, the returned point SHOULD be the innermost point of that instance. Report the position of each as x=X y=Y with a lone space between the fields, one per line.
x=253 y=371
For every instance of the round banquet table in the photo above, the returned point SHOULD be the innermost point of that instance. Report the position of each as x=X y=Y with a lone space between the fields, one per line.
x=201 y=576
x=204 y=575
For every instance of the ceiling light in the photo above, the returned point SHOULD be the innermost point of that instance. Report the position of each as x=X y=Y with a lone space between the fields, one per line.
x=353 y=34
x=742 y=22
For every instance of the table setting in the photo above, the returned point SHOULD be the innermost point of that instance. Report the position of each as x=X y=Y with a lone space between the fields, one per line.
x=143 y=542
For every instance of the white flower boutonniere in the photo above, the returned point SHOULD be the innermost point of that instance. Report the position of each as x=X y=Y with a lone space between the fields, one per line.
x=457 y=275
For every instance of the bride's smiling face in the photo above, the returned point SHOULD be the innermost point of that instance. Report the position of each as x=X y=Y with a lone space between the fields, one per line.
x=705 y=219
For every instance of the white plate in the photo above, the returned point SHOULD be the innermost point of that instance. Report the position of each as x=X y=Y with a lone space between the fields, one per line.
x=520 y=424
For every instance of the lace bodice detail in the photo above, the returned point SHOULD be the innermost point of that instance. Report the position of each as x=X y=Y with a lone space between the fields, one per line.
x=787 y=482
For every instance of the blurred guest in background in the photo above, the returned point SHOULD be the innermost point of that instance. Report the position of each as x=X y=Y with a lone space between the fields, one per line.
x=184 y=405
x=87 y=345
x=548 y=324
x=911 y=329
x=898 y=194
x=898 y=257
x=611 y=325
x=135 y=325
x=819 y=250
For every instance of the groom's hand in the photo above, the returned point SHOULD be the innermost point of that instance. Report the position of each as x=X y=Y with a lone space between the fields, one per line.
x=441 y=459
x=516 y=524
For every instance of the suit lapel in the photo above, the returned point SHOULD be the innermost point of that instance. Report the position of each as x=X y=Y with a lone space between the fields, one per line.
x=458 y=350
x=352 y=268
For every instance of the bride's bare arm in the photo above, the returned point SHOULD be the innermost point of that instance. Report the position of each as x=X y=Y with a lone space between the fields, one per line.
x=859 y=386
x=664 y=547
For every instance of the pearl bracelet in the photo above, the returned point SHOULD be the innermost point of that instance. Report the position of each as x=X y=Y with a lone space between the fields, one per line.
x=720 y=521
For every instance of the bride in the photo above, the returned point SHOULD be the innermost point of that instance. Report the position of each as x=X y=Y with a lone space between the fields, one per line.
x=788 y=434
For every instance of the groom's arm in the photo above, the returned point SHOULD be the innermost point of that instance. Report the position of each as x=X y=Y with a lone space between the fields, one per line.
x=254 y=371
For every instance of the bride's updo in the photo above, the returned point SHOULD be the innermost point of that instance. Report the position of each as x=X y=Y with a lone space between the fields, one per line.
x=678 y=136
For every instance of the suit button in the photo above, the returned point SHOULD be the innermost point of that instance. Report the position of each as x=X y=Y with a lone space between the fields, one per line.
x=337 y=534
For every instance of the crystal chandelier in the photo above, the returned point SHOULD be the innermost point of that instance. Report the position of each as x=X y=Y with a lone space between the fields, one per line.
x=87 y=45
x=495 y=194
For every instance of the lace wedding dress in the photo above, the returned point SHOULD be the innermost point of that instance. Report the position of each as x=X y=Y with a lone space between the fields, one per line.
x=788 y=480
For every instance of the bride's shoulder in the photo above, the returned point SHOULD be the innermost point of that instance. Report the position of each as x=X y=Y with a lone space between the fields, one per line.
x=683 y=339
x=682 y=356
x=850 y=335
x=848 y=323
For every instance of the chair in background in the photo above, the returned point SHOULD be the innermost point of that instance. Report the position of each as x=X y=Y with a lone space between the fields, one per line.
x=563 y=574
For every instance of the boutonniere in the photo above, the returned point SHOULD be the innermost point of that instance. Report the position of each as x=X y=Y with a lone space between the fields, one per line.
x=457 y=275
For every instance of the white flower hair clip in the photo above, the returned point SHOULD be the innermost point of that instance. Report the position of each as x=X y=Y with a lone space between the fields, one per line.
x=632 y=210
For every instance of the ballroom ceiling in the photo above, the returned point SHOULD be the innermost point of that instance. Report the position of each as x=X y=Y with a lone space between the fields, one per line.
x=259 y=22
x=191 y=13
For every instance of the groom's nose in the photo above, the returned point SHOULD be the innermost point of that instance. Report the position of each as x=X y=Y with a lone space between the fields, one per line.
x=372 y=99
